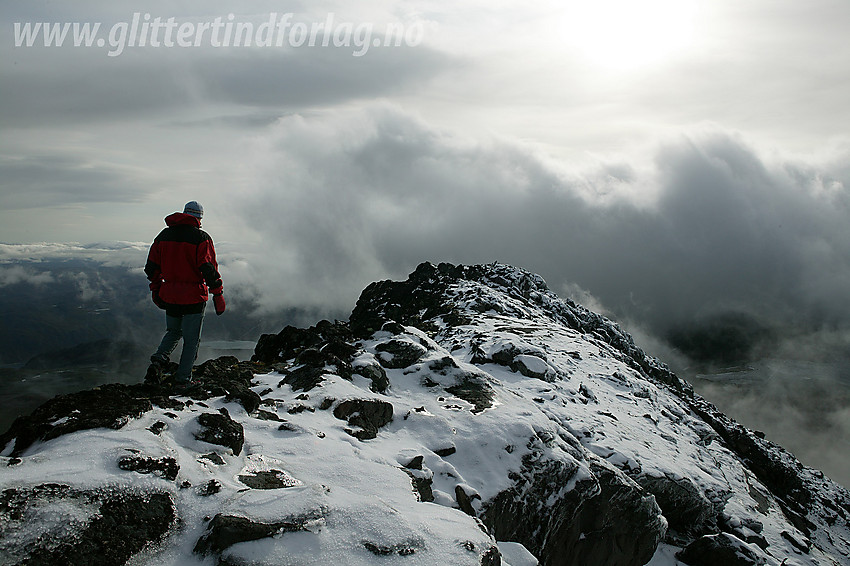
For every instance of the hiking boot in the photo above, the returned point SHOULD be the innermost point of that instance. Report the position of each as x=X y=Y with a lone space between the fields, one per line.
x=180 y=387
x=160 y=372
x=154 y=375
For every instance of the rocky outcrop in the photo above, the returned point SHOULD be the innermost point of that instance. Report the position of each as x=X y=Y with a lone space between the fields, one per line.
x=109 y=406
x=53 y=524
x=605 y=519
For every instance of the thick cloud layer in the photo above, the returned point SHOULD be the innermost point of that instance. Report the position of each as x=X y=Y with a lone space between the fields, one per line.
x=713 y=226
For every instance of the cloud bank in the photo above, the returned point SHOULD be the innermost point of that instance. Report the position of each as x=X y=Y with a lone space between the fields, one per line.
x=712 y=225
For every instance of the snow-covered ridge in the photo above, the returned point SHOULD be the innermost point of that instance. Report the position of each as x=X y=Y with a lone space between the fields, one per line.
x=465 y=416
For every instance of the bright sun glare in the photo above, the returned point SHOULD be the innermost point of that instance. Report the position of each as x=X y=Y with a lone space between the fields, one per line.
x=628 y=34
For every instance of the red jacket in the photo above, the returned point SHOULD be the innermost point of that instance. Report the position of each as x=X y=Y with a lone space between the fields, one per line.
x=181 y=263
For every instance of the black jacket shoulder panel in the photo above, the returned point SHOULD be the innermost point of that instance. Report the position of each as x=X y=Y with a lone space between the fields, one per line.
x=184 y=234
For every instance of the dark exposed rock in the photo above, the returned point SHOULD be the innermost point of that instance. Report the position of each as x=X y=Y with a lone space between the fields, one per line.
x=443 y=366
x=622 y=525
x=492 y=557
x=443 y=452
x=325 y=359
x=317 y=360
x=376 y=374
x=269 y=479
x=403 y=549
x=214 y=458
x=291 y=341
x=108 y=406
x=300 y=408
x=474 y=390
x=398 y=354
x=267 y=416
x=422 y=486
x=723 y=548
x=464 y=500
x=408 y=302
x=803 y=545
x=687 y=510
x=227 y=376
x=368 y=415
x=606 y=519
x=304 y=378
x=121 y=524
x=219 y=428
x=166 y=467
x=209 y=488
x=226 y=530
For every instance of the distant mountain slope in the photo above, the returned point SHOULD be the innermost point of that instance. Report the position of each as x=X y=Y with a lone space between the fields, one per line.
x=462 y=408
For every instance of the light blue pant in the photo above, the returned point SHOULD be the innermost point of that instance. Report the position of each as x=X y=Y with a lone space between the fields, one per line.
x=187 y=326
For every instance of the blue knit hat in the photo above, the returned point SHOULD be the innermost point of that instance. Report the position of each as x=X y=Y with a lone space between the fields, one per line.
x=194 y=208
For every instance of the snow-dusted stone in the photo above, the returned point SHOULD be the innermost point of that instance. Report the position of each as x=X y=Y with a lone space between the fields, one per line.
x=109 y=406
x=686 y=508
x=532 y=366
x=166 y=467
x=57 y=524
x=399 y=353
x=723 y=548
x=516 y=554
x=604 y=519
x=374 y=373
x=219 y=428
x=366 y=416
x=226 y=530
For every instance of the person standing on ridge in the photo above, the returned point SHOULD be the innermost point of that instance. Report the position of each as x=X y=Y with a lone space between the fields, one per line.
x=183 y=272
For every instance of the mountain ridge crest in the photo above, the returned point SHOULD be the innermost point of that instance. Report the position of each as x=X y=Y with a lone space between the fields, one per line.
x=466 y=415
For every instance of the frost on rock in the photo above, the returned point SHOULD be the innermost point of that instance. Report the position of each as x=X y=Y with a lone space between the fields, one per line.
x=57 y=524
x=464 y=406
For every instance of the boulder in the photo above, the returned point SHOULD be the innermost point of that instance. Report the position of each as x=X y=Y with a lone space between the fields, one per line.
x=219 y=428
x=397 y=354
x=605 y=519
x=367 y=415
x=165 y=467
x=687 y=510
x=119 y=524
x=226 y=530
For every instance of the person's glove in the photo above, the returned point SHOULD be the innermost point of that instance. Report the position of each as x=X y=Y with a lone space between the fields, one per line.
x=156 y=300
x=218 y=302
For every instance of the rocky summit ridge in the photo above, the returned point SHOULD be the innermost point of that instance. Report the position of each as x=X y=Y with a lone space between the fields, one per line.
x=466 y=415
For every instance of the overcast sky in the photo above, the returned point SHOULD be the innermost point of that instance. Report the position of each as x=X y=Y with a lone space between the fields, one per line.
x=674 y=154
